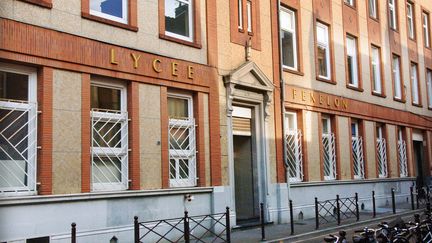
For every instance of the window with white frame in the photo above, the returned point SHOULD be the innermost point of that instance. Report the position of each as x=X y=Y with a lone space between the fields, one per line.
x=397 y=77
x=376 y=70
x=352 y=62
x=357 y=151
x=329 y=149
x=410 y=20
x=109 y=146
x=240 y=14
x=18 y=129
x=323 y=50
x=429 y=87
x=381 y=151
x=289 y=38
x=179 y=19
x=350 y=2
x=373 y=9
x=182 y=146
x=116 y=10
x=392 y=14
x=402 y=154
x=294 y=153
x=414 y=84
x=249 y=15
x=426 y=34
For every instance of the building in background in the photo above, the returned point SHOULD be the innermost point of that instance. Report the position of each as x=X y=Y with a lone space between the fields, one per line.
x=116 y=108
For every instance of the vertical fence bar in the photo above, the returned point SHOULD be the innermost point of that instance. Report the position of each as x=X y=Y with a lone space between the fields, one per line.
x=417 y=198
x=262 y=221
x=228 y=225
x=136 y=230
x=186 y=227
x=427 y=193
x=316 y=214
x=338 y=209
x=291 y=216
x=393 y=200
x=373 y=204
x=412 y=197
x=357 y=207
x=73 y=233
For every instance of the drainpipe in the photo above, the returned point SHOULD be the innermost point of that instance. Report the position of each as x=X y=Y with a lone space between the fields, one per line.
x=282 y=85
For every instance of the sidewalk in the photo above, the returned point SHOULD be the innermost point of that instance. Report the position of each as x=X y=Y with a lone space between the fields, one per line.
x=305 y=229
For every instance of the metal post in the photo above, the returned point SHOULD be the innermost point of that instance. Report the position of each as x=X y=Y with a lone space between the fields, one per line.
x=427 y=193
x=186 y=227
x=357 y=207
x=373 y=204
x=227 y=225
x=338 y=209
x=393 y=201
x=262 y=222
x=291 y=216
x=412 y=197
x=136 y=230
x=73 y=233
x=316 y=214
x=417 y=198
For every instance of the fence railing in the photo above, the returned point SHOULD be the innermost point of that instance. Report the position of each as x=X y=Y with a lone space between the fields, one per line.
x=335 y=210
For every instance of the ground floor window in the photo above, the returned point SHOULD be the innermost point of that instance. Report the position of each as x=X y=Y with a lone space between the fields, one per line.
x=109 y=146
x=293 y=143
x=182 y=146
x=381 y=151
x=402 y=154
x=329 y=149
x=357 y=151
x=18 y=129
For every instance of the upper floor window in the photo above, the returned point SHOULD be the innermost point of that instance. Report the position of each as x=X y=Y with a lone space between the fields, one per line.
x=392 y=11
x=249 y=15
x=429 y=87
x=350 y=2
x=397 y=86
x=240 y=14
x=373 y=9
x=352 y=62
x=116 y=10
x=323 y=51
x=179 y=19
x=426 y=34
x=289 y=38
x=414 y=84
x=376 y=70
x=410 y=20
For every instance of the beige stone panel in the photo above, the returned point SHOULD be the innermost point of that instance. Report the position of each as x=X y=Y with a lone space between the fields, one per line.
x=313 y=145
x=69 y=6
x=7 y=9
x=151 y=173
x=225 y=170
x=30 y=13
x=66 y=172
x=270 y=140
x=344 y=148
x=369 y=131
x=67 y=87
x=392 y=162
x=65 y=21
x=66 y=131
x=207 y=140
x=410 y=153
x=149 y=101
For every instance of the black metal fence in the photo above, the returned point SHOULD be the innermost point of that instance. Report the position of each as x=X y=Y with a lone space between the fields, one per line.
x=201 y=228
x=421 y=195
x=335 y=210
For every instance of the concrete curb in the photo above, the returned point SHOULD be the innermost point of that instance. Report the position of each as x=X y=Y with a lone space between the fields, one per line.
x=315 y=233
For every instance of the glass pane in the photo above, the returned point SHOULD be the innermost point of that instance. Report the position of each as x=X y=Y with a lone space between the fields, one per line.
x=350 y=70
x=372 y=8
x=179 y=138
x=105 y=98
x=178 y=108
x=106 y=134
x=429 y=83
x=177 y=17
x=322 y=34
x=110 y=7
x=325 y=126
x=287 y=20
x=288 y=49
x=106 y=169
x=322 y=62
x=13 y=86
x=184 y=168
x=354 y=129
x=414 y=84
x=172 y=169
x=396 y=74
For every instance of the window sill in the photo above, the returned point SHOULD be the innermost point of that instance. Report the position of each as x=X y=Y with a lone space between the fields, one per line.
x=359 y=89
x=374 y=19
x=379 y=94
x=394 y=30
x=183 y=42
x=430 y=108
x=250 y=33
x=399 y=100
x=417 y=105
x=412 y=39
x=293 y=71
x=40 y=3
x=350 y=6
x=429 y=48
x=329 y=81
x=109 y=22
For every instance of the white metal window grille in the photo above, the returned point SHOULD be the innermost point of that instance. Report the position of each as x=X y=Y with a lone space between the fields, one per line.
x=376 y=70
x=323 y=51
x=357 y=152
x=410 y=19
x=109 y=146
x=240 y=14
x=402 y=156
x=179 y=19
x=414 y=84
x=294 y=155
x=373 y=9
x=351 y=49
x=392 y=14
x=182 y=148
x=18 y=130
x=426 y=29
x=329 y=154
x=289 y=38
x=116 y=10
x=381 y=153
x=249 y=15
x=429 y=87
x=397 y=78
